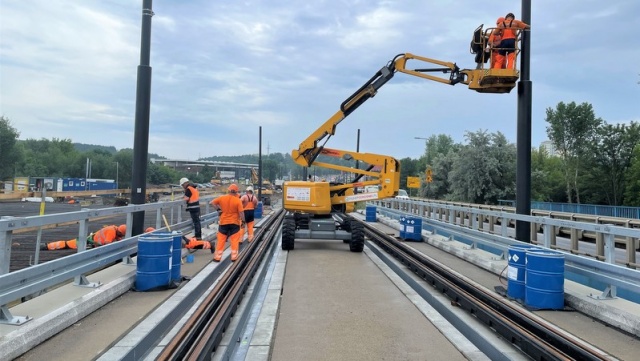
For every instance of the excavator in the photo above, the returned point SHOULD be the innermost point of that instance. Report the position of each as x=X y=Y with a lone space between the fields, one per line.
x=319 y=210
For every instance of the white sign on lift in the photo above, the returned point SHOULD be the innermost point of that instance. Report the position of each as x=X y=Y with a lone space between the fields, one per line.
x=302 y=194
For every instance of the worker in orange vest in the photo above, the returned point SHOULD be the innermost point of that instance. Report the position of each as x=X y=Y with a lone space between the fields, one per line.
x=249 y=203
x=192 y=197
x=494 y=42
x=106 y=235
x=508 y=28
x=195 y=243
x=231 y=219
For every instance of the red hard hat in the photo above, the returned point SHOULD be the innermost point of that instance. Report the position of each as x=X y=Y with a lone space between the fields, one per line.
x=233 y=187
x=149 y=230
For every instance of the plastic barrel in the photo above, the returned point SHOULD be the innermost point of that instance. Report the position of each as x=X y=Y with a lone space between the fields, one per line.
x=176 y=256
x=370 y=213
x=413 y=228
x=257 y=213
x=154 y=261
x=544 y=280
x=516 y=270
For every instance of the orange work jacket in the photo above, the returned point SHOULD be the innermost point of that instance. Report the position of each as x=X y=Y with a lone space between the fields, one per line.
x=231 y=207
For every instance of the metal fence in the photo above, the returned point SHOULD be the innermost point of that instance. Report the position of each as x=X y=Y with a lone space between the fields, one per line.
x=37 y=278
x=594 y=209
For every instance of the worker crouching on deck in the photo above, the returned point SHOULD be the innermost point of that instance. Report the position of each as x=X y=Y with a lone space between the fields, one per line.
x=231 y=219
x=106 y=235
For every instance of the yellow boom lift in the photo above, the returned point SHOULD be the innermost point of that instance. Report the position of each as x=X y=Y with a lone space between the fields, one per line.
x=318 y=210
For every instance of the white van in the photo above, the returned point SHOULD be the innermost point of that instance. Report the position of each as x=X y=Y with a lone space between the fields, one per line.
x=402 y=194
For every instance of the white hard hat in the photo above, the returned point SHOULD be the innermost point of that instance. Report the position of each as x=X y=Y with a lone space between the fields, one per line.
x=184 y=180
x=249 y=189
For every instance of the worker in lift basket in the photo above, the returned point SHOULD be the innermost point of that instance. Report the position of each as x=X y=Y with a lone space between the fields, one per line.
x=231 y=220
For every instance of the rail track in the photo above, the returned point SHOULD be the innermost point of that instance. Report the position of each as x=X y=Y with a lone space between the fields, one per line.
x=533 y=335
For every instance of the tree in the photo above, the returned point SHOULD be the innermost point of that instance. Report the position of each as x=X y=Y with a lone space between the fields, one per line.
x=546 y=177
x=571 y=129
x=632 y=176
x=10 y=153
x=484 y=170
x=611 y=154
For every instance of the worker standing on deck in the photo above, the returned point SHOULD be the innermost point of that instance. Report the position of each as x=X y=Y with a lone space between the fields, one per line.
x=231 y=219
x=249 y=203
x=192 y=197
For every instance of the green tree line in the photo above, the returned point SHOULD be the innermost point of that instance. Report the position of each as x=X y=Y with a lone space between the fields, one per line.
x=593 y=162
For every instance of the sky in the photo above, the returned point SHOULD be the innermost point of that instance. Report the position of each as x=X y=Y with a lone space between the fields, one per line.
x=223 y=69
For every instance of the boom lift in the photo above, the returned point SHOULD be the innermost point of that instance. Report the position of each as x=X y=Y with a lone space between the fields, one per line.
x=317 y=210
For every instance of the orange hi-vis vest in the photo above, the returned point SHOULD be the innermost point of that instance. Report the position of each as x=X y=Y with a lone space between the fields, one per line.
x=249 y=202
x=510 y=28
x=194 y=197
x=105 y=236
x=231 y=207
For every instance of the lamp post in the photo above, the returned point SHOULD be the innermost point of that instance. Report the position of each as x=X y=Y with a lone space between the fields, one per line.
x=117 y=178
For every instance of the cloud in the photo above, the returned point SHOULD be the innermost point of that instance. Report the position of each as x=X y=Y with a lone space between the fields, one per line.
x=222 y=69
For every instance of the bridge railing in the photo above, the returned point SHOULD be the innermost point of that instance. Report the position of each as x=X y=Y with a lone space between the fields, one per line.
x=469 y=223
x=462 y=215
x=36 y=279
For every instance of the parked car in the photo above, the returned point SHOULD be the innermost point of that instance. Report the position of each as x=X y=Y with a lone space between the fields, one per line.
x=402 y=194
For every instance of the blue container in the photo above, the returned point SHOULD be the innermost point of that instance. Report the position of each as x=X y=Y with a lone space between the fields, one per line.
x=258 y=212
x=544 y=280
x=176 y=256
x=413 y=228
x=370 y=213
x=403 y=223
x=154 y=261
x=516 y=270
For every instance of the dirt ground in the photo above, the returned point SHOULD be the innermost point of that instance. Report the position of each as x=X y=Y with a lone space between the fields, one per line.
x=23 y=244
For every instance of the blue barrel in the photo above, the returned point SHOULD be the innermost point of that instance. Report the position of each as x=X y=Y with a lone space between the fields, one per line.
x=544 y=280
x=257 y=213
x=154 y=261
x=516 y=270
x=413 y=228
x=403 y=231
x=176 y=256
x=370 y=213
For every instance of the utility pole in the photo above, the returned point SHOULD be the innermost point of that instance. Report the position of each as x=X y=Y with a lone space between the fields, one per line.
x=141 y=135
x=523 y=143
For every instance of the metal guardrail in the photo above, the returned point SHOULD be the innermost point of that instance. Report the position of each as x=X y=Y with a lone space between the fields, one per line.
x=630 y=241
x=606 y=272
x=37 y=278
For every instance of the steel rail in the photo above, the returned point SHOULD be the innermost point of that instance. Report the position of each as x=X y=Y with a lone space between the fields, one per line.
x=203 y=331
x=534 y=336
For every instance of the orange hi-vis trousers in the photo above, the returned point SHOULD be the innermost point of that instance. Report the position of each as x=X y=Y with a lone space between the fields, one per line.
x=70 y=244
x=231 y=232
x=250 y=230
x=194 y=243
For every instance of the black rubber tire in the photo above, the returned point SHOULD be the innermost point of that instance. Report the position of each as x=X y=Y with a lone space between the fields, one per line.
x=288 y=233
x=357 y=236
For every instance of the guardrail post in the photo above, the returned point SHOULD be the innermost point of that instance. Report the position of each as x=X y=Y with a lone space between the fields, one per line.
x=574 y=235
x=547 y=229
x=81 y=243
x=474 y=220
x=7 y=318
x=533 y=233
x=504 y=226
x=609 y=255
x=492 y=222
x=599 y=241
x=127 y=260
x=452 y=215
x=5 y=248
x=159 y=218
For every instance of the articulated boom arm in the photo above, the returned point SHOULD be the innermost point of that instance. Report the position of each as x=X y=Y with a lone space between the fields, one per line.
x=309 y=149
x=384 y=169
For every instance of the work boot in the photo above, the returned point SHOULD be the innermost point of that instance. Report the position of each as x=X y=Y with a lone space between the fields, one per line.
x=217 y=257
x=234 y=256
x=250 y=238
x=43 y=247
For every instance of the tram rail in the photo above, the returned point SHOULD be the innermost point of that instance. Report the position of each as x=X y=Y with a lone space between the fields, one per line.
x=200 y=335
x=533 y=335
